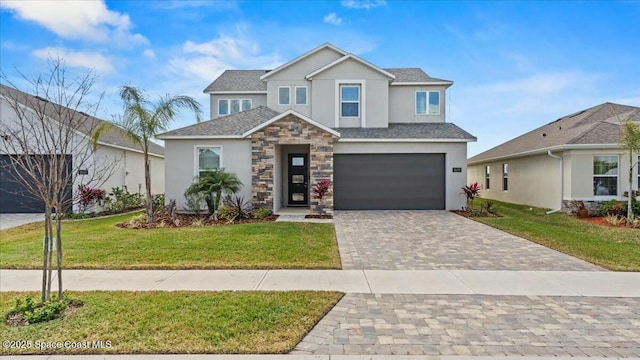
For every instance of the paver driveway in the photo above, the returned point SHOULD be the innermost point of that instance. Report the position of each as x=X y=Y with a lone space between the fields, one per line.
x=439 y=240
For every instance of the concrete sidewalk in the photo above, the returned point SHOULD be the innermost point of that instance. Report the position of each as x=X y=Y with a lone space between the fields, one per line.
x=429 y=282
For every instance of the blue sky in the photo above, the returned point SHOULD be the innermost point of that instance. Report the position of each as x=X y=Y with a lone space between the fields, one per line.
x=515 y=65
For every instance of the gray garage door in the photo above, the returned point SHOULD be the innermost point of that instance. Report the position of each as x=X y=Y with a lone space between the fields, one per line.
x=389 y=181
x=14 y=198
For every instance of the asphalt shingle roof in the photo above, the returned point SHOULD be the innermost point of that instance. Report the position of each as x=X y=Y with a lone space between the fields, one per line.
x=408 y=131
x=234 y=124
x=238 y=80
x=249 y=80
x=600 y=124
x=87 y=122
x=404 y=75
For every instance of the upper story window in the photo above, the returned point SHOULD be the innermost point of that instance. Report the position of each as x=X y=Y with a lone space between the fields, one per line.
x=350 y=100
x=284 y=95
x=232 y=106
x=605 y=175
x=427 y=102
x=208 y=159
x=301 y=95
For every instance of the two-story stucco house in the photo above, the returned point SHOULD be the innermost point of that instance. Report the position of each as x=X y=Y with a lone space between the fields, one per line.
x=379 y=135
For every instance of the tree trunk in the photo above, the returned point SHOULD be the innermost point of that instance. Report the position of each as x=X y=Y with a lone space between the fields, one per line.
x=45 y=249
x=147 y=183
x=59 y=253
x=629 y=202
x=49 y=259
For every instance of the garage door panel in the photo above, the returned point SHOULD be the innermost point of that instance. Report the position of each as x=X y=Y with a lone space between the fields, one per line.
x=389 y=181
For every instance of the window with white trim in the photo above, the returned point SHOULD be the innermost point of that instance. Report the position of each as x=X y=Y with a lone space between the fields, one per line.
x=208 y=159
x=284 y=95
x=301 y=95
x=427 y=102
x=605 y=175
x=232 y=106
x=505 y=177
x=487 y=177
x=350 y=100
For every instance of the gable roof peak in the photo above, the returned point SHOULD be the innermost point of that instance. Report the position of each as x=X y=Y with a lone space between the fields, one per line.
x=302 y=57
x=354 y=57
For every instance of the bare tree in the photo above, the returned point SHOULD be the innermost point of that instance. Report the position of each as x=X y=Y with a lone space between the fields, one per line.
x=45 y=135
x=630 y=141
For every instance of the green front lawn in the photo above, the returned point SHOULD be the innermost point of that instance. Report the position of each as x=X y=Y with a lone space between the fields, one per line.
x=99 y=244
x=612 y=248
x=174 y=322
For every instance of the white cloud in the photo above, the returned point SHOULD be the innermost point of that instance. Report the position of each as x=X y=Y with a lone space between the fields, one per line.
x=72 y=58
x=148 y=53
x=333 y=19
x=363 y=4
x=208 y=60
x=77 y=19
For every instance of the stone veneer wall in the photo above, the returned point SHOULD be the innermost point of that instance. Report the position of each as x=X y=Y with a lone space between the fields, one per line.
x=570 y=208
x=290 y=130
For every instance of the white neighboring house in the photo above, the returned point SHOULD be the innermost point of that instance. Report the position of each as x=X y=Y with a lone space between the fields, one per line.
x=577 y=157
x=379 y=135
x=124 y=160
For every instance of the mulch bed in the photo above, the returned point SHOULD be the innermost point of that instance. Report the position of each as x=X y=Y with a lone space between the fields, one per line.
x=317 y=216
x=469 y=214
x=602 y=221
x=187 y=220
x=16 y=319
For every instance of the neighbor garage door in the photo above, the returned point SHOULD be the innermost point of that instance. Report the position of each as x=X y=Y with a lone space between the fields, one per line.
x=14 y=198
x=389 y=181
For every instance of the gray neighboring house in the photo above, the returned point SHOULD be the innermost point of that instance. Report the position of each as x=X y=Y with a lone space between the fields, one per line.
x=576 y=157
x=113 y=150
x=379 y=135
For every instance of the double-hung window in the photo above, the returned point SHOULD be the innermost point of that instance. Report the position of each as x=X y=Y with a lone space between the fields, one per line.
x=232 y=106
x=505 y=177
x=350 y=100
x=427 y=102
x=487 y=177
x=301 y=95
x=284 y=95
x=605 y=175
x=208 y=159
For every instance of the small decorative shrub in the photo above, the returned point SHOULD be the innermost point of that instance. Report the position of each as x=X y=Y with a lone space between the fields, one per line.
x=89 y=196
x=121 y=200
x=235 y=208
x=34 y=312
x=615 y=220
x=320 y=190
x=193 y=201
x=137 y=221
x=612 y=207
x=487 y=207
x=635 y=207
x=262 y=213
x=197 y=223
x=471 y=192
x=158 y=202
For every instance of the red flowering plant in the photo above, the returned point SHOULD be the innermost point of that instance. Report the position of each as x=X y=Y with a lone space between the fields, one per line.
x=471 y=192
x=319 y=190
x=89 y=196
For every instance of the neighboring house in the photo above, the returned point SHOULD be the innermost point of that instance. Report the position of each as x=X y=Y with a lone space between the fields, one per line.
x=123 y=159
x=379 y=135
x=577 y=157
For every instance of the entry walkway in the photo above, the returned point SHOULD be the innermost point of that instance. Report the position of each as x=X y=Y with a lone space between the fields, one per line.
x=427 y=282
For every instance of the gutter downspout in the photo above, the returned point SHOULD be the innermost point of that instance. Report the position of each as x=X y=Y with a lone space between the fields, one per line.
x=561 y=182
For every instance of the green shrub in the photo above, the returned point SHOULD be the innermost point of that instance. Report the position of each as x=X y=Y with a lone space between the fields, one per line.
x=120 y=200
x=158 y=202
x=262 y=213
x=612 y=207
x=635 y=207
x=226 y=213
x=36 y=312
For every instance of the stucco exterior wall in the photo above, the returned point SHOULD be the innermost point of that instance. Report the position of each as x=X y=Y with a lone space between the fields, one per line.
x=402 y=104
x=533 y=180
x=129 y=170
x=455 y=156
x=304 y=67
x=272 y=90
x=256 y=100
x=580 y=165
x=180 y=164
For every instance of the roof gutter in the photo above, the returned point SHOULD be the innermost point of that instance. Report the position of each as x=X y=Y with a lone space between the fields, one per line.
x=561 y=182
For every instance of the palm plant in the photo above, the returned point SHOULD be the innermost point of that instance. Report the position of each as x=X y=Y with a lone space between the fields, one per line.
x=211 y=185
x=142 y=120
